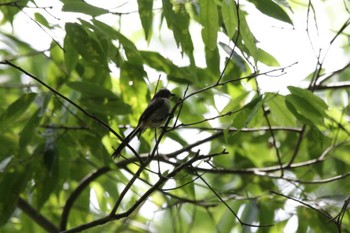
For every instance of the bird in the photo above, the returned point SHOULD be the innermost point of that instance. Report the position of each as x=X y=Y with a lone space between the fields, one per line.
x=153 y=116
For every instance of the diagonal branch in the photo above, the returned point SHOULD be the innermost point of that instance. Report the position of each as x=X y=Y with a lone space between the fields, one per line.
x=36 y=216
x=154 y=188
x=99 y=121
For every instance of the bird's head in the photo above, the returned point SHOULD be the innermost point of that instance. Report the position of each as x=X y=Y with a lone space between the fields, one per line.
x=163 y=93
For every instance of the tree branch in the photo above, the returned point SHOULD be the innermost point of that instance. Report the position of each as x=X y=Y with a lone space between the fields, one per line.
x=113 y=216
x=36 y=216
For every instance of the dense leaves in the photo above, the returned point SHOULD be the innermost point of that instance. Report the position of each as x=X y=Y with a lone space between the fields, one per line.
x=233 y=157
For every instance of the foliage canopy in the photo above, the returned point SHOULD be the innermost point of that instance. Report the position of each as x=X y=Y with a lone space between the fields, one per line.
x=233 y=156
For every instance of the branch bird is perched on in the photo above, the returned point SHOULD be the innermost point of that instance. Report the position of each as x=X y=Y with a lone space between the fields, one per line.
x=154 y=116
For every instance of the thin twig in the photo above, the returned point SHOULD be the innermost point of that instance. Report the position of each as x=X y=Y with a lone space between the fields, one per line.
x=224 y=202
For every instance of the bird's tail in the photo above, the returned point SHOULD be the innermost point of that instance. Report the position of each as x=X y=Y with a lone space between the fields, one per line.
x=125 y=142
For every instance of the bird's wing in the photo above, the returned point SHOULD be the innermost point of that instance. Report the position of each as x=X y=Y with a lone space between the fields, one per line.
x=151 y=109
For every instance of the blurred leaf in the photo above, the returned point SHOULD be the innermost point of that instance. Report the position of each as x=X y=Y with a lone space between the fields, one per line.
x=279 y=111
x=233 y=106
x=235 y=58
x=7 y=146
x=250 y=214
x=332 y=201
x=209 y=18
x=111 y=107
x=318 y=222
x=9 y=10
x=307 y=107
x=12 y=180
x=267 y=58
x=16 y=109
x=70 y=55
x=248 y=37
x=268 y=7
x=48 y=148
x=248 y=112
x=177 y=138
x=132 y=76
x=212 y=58
x=146 y=15
x=314 y=100
x=131 y=51
x=226 y=220
x=28 y=131
x=158 y=62
x=303 y=111
x=42 y=20
x=179 y=21
x=266 y=207
x=83 y=7
x=185 y=180
x=47 y=176
x=230 y=17
x=91 y=89
x=87 y=47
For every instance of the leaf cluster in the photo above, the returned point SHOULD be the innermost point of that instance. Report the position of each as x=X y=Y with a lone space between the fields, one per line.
x=230 y=158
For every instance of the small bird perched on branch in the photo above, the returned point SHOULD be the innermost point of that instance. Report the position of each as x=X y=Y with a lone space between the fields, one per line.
x=154 y=116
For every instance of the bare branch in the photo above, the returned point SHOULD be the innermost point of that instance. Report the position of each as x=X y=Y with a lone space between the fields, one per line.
x=36 y=216
x=224 y=202
x=305 y=204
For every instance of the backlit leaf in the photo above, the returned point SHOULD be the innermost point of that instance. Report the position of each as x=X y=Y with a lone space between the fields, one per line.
x=229 y=15
x=272 y=9
x=209 y=18
x=146 y=15
x=16 y=109
x=83 y=7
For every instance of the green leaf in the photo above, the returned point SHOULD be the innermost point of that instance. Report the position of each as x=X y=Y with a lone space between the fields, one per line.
x=131 y=51
x=250 y=214
x=27 y=132
x=7 y=146
x=318 y=103
x=42 y=20
x=279 y=111
x=303 y=111
x=316 y=221
x=10 y=9
x=209 y=18
x=248 y=112
x=13 y=180
x=236 y=59
x=92 y=89
x=267 y=58
x=100 y=100
x=247 y=36
x=295 y=104
x=111 y=107
x=157 y=61
x=307 y=107
x=268 y=7
x=212 y=58
x=146 y=15
x=178 y=21
x=177 y=138
x=47 y=175
x=16 y=109
x=83 y=7
x=229 y=16
x=87 y=46
x=71 y=55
